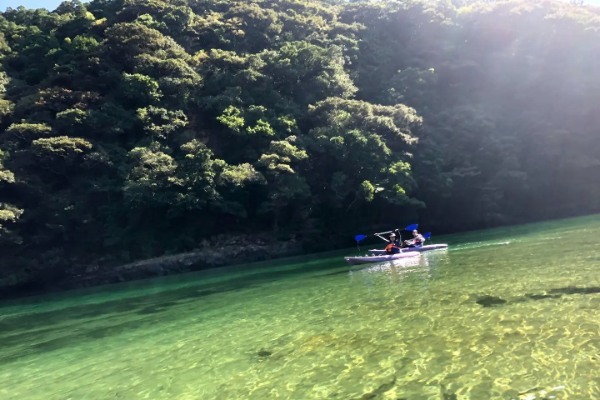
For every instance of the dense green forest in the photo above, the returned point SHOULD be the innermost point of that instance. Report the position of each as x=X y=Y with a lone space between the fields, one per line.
x=135 y=128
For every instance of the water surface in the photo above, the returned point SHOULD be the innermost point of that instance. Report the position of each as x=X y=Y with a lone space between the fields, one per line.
x=509 y=313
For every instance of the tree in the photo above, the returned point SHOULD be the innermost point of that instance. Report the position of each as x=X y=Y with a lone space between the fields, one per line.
x=363 y=153
x=286 y=187
x=9 y=214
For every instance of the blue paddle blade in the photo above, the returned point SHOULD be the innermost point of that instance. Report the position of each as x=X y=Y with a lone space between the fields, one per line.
x=411 y=227
x=358 y=238
x=427 y=235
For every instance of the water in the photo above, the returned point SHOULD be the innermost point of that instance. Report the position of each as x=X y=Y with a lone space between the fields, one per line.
x=503 y=314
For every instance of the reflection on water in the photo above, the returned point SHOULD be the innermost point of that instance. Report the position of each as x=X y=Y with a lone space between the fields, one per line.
x=481 y=320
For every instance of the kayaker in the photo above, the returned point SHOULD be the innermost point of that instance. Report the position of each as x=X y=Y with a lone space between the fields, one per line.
x=393 y=246
x=416 y=241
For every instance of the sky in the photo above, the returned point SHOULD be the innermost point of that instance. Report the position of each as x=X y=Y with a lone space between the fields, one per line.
x=49 y=4
x=52 y=4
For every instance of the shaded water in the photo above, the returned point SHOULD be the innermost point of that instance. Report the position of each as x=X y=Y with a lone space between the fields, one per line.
x=511 y=313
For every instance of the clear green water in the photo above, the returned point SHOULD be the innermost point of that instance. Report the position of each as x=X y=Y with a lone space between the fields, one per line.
x=315 y=328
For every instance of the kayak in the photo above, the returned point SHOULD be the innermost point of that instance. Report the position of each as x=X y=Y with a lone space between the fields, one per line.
x=421 y=249
x=379 y=258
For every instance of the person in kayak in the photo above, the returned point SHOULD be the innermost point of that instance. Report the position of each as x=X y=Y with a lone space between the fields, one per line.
x=416 y=241
x=393 y=246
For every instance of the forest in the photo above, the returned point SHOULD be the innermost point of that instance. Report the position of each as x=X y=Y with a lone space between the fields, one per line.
x=131 y=129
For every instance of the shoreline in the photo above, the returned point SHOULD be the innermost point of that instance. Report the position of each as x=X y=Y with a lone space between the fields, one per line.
x=96 y=274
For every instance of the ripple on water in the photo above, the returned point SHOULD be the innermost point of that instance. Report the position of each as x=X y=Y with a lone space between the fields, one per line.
x=483 y=320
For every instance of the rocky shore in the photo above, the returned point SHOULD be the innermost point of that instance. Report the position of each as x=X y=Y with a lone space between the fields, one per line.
x=209 y=254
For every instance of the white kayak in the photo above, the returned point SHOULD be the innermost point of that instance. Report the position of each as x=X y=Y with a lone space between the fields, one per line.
x=379 y=258
x=421 y=249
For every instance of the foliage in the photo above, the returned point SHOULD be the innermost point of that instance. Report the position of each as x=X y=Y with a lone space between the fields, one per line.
x=362 y=152
x=151 y=181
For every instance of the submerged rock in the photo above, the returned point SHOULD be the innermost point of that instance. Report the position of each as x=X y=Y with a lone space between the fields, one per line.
x=262 y=353
x=493 y=301
x=542 y=296
x=490 y=301
x=537 y=393
x=380 y=390
x=576 y=290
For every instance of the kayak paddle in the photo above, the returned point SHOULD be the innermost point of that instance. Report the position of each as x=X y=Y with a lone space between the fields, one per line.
x=358 y=238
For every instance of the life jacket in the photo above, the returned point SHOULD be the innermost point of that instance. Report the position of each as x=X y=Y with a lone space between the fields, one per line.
x=392 y=248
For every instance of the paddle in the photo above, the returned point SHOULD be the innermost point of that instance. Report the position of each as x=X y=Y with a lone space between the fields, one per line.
x=358 y=238
x=361 y=237
x=411 y=227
